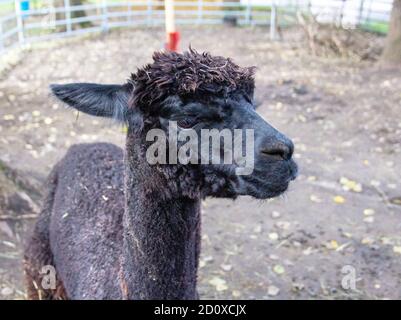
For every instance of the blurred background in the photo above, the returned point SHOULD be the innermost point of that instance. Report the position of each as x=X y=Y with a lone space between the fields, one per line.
x=328 y=76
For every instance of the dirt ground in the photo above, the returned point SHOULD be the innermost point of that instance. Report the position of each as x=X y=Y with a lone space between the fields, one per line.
x=338 y=225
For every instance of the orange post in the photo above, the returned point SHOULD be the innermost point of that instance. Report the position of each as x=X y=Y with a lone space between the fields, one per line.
x=172 y=35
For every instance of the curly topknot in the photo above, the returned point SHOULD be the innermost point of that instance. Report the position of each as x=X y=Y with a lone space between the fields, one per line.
x=186 y=74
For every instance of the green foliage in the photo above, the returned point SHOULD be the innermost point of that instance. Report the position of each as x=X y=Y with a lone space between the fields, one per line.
x=377 y=27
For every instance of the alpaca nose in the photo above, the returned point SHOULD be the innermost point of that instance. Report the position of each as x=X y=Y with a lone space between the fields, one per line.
x=278 y=150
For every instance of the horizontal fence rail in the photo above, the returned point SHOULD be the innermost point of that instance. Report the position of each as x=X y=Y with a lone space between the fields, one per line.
x=23 y=22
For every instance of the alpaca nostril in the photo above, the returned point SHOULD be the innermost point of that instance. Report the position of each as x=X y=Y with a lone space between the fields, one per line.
x=281 y=151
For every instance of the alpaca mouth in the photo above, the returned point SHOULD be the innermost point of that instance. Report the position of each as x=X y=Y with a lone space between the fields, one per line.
x=262 y=186
x=270 y=192
x=259 y=189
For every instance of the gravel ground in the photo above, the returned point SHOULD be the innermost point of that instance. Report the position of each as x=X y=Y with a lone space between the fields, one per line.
x=339 y=222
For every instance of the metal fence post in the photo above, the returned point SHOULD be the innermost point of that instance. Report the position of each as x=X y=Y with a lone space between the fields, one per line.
x=150 y=12
x=360 y=14
x=342 y=12
x=273 y=20
x=105 y=21
x=1 y=36
x=200 y=11
x=369 y=11
x=67 y=11
x=248 y=15
x=129 y=18
x=20 y=23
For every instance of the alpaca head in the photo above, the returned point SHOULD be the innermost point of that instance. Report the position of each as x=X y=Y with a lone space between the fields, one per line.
x=203 y=106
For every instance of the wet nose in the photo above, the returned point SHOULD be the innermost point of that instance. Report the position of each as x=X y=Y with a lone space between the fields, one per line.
x=278 y=150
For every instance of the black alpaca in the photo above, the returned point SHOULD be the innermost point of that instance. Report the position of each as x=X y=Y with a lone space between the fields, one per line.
x=115 y=226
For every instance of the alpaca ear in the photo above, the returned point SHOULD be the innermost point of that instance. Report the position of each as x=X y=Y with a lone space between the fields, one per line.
x=110 y=101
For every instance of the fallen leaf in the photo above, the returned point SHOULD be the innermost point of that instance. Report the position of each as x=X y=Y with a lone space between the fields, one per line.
x=315 y=198
x=396 y=200
x=7 y=291
x=386 y=240
x=297 y=244
x=297 y=286
x=368 y=212
x=307 y=251
x=350 y=185
x=397 y=249
x=369 y=219
x=390 y=164
x=48 y=121
x=375 y=183
x=273 y=291
x=8 y=117
x=339 y=199
x=276 y=214
x=347 y=234
x=273 y=236
x=333 y=245
x=283 y=225
x=9 y=244
x=219 y=283
x=343 y=246
x=226 y=267
x=236 y=293
x=367 y=240
x=279 y=269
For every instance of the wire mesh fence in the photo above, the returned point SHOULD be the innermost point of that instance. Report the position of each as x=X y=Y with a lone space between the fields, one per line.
x=27 y=21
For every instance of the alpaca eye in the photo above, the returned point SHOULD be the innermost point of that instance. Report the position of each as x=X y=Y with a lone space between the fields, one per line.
x=186 y=123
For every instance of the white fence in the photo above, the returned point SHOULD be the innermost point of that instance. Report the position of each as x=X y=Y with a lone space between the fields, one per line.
x=352 y=11
x=23 y=21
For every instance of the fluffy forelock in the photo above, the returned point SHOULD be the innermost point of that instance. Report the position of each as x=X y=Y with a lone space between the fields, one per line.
x=190 y=73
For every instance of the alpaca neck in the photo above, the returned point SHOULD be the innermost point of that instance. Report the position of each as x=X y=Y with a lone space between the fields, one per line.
x=161 y=235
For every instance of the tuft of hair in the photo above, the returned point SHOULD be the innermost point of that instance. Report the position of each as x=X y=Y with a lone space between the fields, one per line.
x=190 y=73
